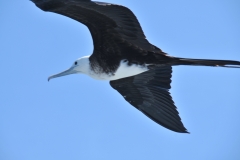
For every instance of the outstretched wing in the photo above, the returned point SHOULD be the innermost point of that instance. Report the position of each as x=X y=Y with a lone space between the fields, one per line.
x=110 y=25
x=148 y=92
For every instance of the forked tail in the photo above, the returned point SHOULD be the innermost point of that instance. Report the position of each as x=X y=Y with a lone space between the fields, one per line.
x=207 y=62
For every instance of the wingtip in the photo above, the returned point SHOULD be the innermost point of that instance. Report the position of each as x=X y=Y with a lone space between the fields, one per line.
x=187 y=132
x=184 y=131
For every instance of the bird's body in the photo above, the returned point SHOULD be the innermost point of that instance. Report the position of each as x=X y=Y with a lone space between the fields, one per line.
x=138 y=70
x=123 y=70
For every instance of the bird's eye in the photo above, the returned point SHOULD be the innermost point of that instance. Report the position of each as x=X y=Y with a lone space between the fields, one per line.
x=75 y=63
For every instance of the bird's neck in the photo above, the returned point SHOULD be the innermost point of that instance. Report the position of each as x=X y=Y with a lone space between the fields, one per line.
x=83 y=65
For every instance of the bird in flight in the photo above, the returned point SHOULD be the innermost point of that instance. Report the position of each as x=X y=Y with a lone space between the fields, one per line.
x=138 y=70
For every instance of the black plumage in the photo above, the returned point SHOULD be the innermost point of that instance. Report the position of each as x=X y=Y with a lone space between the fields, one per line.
x=149 y=93
x=117 y=35
x=115 y=30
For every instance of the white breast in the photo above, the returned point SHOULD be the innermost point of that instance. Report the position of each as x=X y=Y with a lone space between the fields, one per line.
x=124 y=70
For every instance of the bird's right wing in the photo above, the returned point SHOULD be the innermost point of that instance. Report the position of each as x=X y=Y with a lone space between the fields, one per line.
x=148 y=92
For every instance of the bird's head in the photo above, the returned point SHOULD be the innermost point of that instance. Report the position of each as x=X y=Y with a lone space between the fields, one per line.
x=81 y=65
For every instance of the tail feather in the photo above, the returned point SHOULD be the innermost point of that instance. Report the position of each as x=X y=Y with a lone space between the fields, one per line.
x=207 y=62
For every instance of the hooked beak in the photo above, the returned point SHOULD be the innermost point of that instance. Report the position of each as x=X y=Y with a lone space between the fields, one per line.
x=64 y=73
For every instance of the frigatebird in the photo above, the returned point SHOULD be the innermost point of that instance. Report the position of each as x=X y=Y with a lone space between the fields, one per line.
x=138 y=70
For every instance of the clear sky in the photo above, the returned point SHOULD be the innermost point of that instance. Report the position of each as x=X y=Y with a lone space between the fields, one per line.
x=76 y=117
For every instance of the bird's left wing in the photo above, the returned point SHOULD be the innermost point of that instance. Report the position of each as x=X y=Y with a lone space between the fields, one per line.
x=148 y=92
x=104 y=20
x=115 y=29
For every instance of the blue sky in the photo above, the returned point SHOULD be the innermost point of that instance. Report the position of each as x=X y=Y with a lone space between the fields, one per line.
x=76 y=117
